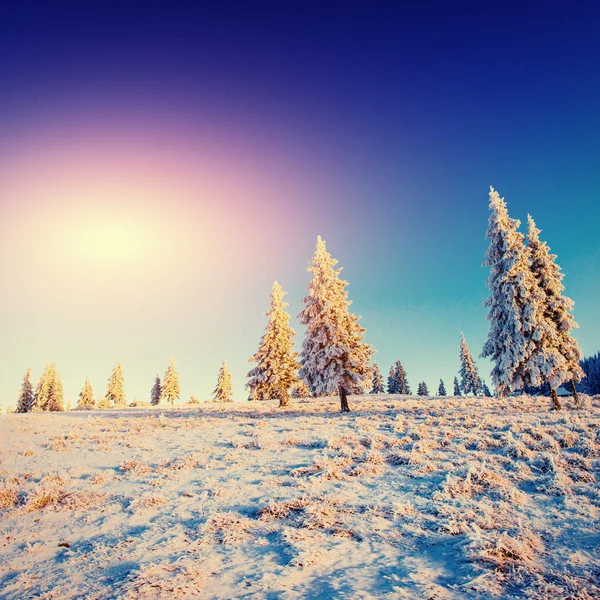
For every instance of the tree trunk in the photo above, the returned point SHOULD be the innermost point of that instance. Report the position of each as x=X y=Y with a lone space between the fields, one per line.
x=555 y=401
x=284 y=398
x=343 y=399
x=575 y=394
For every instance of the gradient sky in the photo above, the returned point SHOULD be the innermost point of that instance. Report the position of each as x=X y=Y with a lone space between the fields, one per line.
x=160 y=168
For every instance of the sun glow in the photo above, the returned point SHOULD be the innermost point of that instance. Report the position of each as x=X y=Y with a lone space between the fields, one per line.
x=112 y=242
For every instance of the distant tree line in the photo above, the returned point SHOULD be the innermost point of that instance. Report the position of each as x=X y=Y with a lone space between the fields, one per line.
x=591 y=367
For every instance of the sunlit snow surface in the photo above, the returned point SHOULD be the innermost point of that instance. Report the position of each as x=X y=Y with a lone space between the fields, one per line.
x=404 y=498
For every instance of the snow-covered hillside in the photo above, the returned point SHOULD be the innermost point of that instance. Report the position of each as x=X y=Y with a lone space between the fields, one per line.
x=404 y=497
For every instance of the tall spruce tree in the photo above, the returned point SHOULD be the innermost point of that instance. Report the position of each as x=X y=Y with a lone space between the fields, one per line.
x=513 y=301
x=471 y=382
x=224 y=390
x=170 y=383
x=156 y=392
x=457 y=392
x=49 y=391
x=277 y=362
x=556 y=357
x=115 y=391
x=27 y=396
x=441 y=388
x=86 y=397
x=334 y=355
x=377 y=381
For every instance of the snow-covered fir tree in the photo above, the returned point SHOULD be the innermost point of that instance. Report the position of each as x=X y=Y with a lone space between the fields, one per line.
x=513 y=302
x=441 y=388
x=470 y=380
x=422 y=389
x=457 y=391
x=556 y=357
x=377 y=381
x=156 y=392
x=224 y=390
x=27 y=396
x=276 y=361
x=486 y=390
x=392 y=383
x=299 y=390
x=397 y=383
x=115 y=391
x=86 y=397
x=334 y=355
x=103 y=402
x=49 y=391
x=170 y=383
x=403 y=387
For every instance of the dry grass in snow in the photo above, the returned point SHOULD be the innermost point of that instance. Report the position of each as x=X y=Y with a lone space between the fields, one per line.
x=404 y=497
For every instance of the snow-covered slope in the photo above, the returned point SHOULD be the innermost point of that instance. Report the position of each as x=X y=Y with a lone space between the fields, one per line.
x=403 y=497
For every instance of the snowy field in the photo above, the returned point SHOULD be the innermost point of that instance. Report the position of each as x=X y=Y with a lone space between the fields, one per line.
x=403 y=498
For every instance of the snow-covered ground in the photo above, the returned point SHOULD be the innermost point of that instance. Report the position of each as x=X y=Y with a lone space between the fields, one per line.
x=404 y=498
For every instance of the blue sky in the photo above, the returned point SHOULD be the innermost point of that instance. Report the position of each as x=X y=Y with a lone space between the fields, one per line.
x=379 y=128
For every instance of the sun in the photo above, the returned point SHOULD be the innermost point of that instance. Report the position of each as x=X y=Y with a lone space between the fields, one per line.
x=113 y=241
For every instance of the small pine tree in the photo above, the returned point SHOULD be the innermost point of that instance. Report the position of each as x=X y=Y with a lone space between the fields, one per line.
x=104 y=402
x=115 y=391
x=377 y=381
x=27 y=396
x=441 y=388
x=457 y=391
x=422 y=389
x=392 y=383
x=402 y=382
x=224 y=390
x=156 y=392
x=170 y=385
x=277 y=365
x=86 y=397
x=49 y=391
x=471 y=382
x=486 y=390
x=299 y=390
x=397 y=383
x=334 y=355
